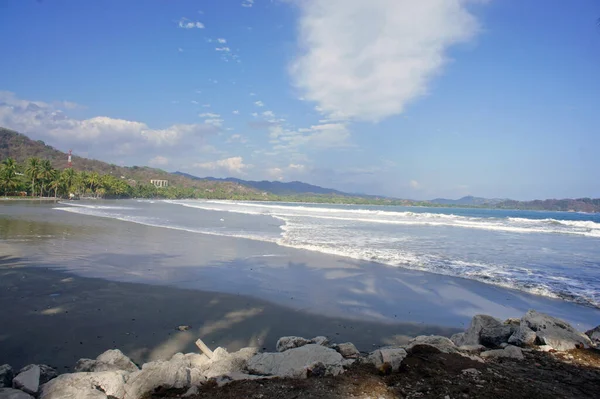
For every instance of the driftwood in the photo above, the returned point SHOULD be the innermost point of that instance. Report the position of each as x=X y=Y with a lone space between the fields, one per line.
x=205 y=349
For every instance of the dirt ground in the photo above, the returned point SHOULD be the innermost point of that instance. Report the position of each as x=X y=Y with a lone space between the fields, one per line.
x=425 y=374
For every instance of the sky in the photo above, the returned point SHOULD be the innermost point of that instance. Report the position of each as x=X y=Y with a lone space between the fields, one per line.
x=411 y=99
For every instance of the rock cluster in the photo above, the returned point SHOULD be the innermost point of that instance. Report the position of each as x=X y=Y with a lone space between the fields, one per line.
x=113 y=375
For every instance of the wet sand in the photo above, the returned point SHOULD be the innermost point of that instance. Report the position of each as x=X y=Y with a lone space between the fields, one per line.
x=57 y=318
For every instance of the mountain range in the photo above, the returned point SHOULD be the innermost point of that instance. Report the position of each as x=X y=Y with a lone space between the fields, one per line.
x=469 y=200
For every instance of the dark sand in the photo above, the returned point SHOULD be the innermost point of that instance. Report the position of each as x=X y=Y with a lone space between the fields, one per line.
x=57 y=318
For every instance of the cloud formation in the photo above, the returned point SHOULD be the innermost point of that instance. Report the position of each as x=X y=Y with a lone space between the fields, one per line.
x=322 y=136
x=158 y=161
x=234 y=165
x=184 y=23
x=248 y=3
x=373 y=72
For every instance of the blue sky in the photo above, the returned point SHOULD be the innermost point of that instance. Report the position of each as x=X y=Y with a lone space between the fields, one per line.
x=395 y=97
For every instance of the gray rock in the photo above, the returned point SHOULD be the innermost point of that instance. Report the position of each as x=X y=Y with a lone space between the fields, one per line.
x=493 y=337
x=555 y=332
x=193 y=391
x=544 y=348
x=6 y=376
x=166 y=374
x=111 y=360
x=392 y=357
x=443 y=344
x=511 y=352
x=594 y=335
x=472 y=348
x=471 y=372
x=98 y=385
x=226 y=379
x=524 y=336
x=513 y=321
x=471 y=336
x=227 y=363
x=46 y=372
x=295 y=362
x=347 y=350
x=320 y=340
x=9 y=393
x=285 y=343
x=28 y=381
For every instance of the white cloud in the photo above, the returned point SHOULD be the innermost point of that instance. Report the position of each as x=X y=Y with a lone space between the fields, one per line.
x=275 y=173
x=209 y=115
x=252 y=94
x=286 y=172
x=248 y=3
x=45 y=120
x=214 y=121
x=329 y=135
x=184 y=23
x=268 y=114
x=224 y=49
x=236 y=112
x=158 y=161
x=237 y=138
x=194 y=102
x=254 y=114
x=180 y=49
x=373 y=72
x=259 y=103
x=221 y=40
x=229 y=165
x=297 y=167
x=414 y=184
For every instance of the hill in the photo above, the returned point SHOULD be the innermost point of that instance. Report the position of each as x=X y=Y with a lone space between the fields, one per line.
x=468 y=200
x=276 y=187
x=20 y=147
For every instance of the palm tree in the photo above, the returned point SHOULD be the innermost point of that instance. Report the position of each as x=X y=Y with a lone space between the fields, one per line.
x=46 y=174
x=56 y=183
x=9 y=178
x=83 y=178
x=32 y=172
x=94 y=181
x=69 y=178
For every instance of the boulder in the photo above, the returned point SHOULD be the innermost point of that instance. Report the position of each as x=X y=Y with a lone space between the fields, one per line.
x=295 y=362
x=28 y=380
x=524 y=336
x=511 y=352
x=544 y=348
x=384 y=358
x=166 y=374
x=111 y=360
x=555 y=332
x=443 y=344
x=46 y=372
x=98 y=385
x=493 y=337
x=285 y=343
x=472 y=348
x=594 y=335
x=9 y=393
x=224 y=363
x=227 y=378
x=6 y=376
x=320 y=340
x=347 y=350
x=471 y=336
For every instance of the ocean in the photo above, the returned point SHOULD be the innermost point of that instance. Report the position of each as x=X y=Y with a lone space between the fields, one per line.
x=360 y=260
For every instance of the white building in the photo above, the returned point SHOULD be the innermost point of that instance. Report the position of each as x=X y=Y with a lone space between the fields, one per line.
x=160 y=183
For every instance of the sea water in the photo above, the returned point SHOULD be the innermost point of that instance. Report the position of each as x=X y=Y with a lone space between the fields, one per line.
x=552 y=254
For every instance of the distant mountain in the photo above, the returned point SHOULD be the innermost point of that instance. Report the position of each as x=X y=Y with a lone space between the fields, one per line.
x=469 y=200
x=20 y=147
x=277 y=187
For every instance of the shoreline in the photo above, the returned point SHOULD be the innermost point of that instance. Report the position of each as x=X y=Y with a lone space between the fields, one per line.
x=56 y=317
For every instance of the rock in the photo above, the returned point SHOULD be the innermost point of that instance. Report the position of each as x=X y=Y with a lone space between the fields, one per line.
x=183 y=328
x=6 y=376
x=320 y=340
x=443 y=344
x=471 y=372
x=111 y=360
x=555 y=332
x=226 y=379
x=594 y=335
x=285 y=343
x=524 y=336
x=513 y=321
x=545 y=348
x=9 y=393
x=511 y=352
x=295 y=362
x=227 y=363
x=97 y=385
x=472 y=348
x=28 y=381
x=384 y=358
x=347 y=350
x=193 y=391
x=166 y=374
x=493 y=337
x=471 y=336
x=46 y=372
